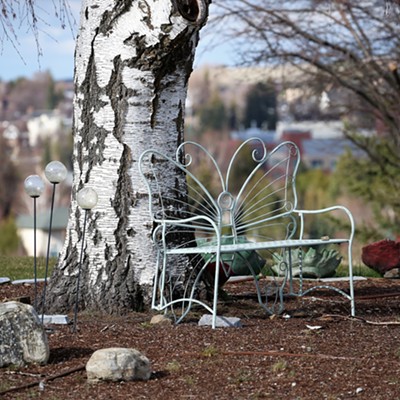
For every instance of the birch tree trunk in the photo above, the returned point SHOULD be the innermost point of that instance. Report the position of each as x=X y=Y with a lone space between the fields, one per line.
x=132 y=63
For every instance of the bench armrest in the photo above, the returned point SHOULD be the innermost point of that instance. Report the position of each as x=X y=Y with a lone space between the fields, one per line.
x=326 y=210
x=191 y=223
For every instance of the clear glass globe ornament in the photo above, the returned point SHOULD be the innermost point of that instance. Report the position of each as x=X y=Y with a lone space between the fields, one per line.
x=55 y=171
x=87 y=198
x=34 y=185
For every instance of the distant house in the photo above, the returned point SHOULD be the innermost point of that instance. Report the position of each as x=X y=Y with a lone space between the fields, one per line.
x=25 y=227
x=321 y=144
x=324 y=153
x=268 y=137
x=44 y=124
x=297 y=137
x=16 y=135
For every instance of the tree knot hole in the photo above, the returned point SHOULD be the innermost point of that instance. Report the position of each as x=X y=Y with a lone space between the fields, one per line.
x=191 y=10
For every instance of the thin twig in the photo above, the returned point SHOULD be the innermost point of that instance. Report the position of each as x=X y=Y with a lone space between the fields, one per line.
x=271 y=353
x=382 y=323
x=49 y=378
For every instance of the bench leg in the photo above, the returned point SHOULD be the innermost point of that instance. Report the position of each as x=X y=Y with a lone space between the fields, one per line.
x=216 y=289
x=351 y=283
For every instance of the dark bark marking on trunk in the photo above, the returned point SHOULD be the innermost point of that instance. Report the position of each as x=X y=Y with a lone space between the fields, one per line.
x=146 y=10
x=60 y=291
x=94 y=150
x=122 y=202
x=118 y=94
x=179 y=121
x=92 y=227
x=109 y=17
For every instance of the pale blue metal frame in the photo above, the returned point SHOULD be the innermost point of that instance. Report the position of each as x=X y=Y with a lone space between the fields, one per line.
x=211 y=216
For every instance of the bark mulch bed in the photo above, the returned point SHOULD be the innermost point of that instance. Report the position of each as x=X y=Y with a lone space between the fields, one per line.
x=277 y=357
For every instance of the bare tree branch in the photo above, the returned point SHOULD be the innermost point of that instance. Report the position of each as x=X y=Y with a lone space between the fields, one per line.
x=31 y=16
x=353 y=44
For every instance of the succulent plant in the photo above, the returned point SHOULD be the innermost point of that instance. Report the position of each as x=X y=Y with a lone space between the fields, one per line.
x=316 y=263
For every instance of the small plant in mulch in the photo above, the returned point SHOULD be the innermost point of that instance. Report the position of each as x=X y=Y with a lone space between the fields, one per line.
x=173 y=366
x=209 y=351
x=279 y=366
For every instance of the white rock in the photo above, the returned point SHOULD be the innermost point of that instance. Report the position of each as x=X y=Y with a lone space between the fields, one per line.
x=4 y=280
x=221 y=322
x=118 y=364
x=56 y=319
x=314 y=327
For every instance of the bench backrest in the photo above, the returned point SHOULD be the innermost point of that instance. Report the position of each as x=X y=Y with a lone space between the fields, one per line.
x=254 y=198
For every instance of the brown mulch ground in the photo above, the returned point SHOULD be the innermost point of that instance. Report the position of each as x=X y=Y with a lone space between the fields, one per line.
x=268 y=358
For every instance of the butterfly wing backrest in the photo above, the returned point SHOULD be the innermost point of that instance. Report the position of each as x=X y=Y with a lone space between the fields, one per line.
x=178 y=193
x=204 y=182
x=265 y=195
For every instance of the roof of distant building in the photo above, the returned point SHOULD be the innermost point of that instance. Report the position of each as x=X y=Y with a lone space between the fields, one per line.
x=328 y=147
x=265 y=136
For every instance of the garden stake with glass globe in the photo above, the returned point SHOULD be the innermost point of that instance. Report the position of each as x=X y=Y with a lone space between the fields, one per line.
x=87 y=199
x=34 y=187
x=55 y=172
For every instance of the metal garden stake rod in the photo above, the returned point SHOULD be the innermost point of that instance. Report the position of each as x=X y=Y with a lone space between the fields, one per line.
x=34 y=187
x=55 y=172
x=87 y=199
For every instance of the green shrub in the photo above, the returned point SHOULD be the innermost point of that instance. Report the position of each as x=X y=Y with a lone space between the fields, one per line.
x=9 y=240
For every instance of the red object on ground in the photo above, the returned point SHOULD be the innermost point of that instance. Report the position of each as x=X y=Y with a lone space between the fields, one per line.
x=222 y=278
x=382 y=256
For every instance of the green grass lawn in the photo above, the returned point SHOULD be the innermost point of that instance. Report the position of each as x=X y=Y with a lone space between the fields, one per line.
x=22 y=267
x=358 y=270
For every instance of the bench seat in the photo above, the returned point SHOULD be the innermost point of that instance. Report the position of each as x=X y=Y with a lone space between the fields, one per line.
x=269 y=245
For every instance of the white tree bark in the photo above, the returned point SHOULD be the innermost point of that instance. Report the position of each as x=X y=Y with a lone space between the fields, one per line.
x=133 y=61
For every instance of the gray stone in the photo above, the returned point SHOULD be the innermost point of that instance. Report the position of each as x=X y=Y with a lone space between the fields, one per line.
x=221 y=322
x=22 y=337
x=392 y=273
x=118 y=364
x=4 y=280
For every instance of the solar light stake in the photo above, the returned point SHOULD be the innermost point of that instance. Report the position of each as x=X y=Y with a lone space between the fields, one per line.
x=55 y=172
x=87 y=199
x=34 y=187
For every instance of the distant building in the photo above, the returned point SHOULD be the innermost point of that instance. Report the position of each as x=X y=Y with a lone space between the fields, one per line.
x=25 y=228
x=43 y=125
x=268 y=137
x=324 y=153
x=321 y=144
x=16 y=135
x=296 y=136
x=317 y=129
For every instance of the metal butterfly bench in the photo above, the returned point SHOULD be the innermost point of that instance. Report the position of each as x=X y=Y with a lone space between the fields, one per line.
x=210 y=226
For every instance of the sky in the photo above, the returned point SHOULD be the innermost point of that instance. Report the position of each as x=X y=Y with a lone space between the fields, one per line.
x=57 y=47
